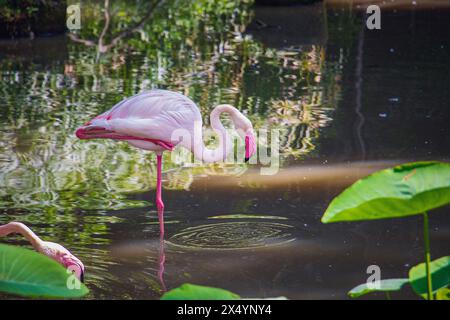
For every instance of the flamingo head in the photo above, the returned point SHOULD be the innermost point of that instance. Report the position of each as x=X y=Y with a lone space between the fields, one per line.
x=72 y=263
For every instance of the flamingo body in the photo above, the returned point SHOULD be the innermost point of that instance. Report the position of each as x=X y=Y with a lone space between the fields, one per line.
x=149 y=120
x=146 y=120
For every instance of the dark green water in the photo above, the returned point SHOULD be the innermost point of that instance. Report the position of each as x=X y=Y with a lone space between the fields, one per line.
x=339 y=92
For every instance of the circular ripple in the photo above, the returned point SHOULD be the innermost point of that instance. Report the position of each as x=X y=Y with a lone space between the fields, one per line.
x=233 y=235
x=247 y=216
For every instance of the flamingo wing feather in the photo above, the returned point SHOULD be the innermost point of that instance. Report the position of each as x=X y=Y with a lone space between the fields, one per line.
x=149 y=116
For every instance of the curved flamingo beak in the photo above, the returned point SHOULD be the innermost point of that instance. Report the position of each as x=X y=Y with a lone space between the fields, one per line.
x=81 y=274
x=250 y=145
x=76 y=266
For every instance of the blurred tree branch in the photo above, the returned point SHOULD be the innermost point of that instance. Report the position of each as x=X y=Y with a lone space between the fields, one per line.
x=101 y=47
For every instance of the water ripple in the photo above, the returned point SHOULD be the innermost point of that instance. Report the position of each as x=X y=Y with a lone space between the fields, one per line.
x=233 y=235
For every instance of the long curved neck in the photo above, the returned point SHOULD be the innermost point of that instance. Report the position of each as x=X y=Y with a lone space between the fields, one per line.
x=17 y=227
x=199 y=149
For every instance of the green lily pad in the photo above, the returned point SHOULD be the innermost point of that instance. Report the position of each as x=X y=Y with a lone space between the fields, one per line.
x=404 y=190
x=440 y=275
x=195 y=292
x=30 y=274
x=384 y=285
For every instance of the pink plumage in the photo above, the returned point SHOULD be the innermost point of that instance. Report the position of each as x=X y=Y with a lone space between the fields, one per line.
x=52 y=250
x=158 y=120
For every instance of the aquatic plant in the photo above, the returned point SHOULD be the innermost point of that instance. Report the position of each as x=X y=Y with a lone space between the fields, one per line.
x=195 y=292
x=30 y=274
x=189 y=291
x=405 y=190
x=418 y=280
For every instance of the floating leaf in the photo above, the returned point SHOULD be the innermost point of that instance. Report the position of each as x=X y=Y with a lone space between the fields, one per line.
x=194 y=292
x=31 y=274
x=383 y=285
x=404 y=190
x=270 y=298
x=440 y=275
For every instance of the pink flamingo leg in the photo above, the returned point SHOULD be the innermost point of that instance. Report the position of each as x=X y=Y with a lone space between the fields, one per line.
x=159 y=202
x=161 y=261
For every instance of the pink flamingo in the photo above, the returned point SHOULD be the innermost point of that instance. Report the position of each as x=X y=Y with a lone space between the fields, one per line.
x=158 y=120
x=52 y=250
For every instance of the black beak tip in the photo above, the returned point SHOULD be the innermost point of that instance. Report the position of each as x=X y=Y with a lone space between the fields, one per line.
x=246 y=159
x=82 y=277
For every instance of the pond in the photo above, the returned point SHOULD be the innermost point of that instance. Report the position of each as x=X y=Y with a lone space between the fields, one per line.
x=347 y=101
